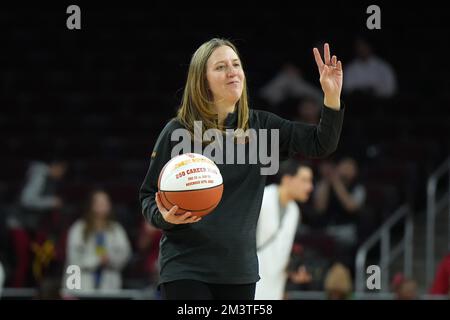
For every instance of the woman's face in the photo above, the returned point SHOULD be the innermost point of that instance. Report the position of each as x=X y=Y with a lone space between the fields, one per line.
x=225 y=76
x=101 y=205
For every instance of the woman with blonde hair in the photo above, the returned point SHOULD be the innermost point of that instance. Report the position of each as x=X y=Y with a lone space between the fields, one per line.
x=214 y=257
x=98 y=245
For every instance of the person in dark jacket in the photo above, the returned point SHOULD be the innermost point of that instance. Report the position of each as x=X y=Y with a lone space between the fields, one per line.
x=214 y=257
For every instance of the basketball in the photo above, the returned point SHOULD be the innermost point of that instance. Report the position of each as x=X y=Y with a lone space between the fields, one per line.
x=192 y=182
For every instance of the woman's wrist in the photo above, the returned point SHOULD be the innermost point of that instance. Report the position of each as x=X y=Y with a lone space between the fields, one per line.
x=332 y=102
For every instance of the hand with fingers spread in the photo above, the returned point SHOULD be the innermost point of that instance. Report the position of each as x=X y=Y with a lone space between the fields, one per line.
x=171 y=217
x=331 y=75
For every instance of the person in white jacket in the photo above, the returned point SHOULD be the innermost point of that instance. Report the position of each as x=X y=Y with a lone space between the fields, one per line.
x=277 y=225
x=99 y=246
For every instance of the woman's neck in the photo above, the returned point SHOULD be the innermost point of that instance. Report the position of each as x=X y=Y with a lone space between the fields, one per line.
x=223 y=110
x=99 y=224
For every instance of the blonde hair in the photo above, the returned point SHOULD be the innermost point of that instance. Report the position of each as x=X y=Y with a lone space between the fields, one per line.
x=197 y=102
x=339 y=279
x=89 y=214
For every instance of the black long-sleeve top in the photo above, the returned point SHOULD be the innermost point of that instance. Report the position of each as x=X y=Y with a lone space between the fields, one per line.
x=221 y=248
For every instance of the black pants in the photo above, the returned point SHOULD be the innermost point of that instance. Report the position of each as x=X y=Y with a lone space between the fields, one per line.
x=197 y=290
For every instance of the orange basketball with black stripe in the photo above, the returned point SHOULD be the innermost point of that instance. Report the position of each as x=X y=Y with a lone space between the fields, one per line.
x=192 y=182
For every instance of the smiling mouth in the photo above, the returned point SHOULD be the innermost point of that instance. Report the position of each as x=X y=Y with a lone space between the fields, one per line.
x=233 y=82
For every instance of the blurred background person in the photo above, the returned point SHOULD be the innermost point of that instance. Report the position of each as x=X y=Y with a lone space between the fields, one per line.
x=404 y=288
x=338 y=283
x=40 y=191
x=301 y=276
x=339 y=199
x=308 y=111
x=369 y=73
x=441 y=282
x=306 y=269
x=38 y=211
x=289 y=83
x=98 y=245
x=277 y=226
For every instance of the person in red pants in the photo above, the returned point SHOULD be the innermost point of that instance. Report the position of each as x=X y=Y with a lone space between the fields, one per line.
x=39 y=205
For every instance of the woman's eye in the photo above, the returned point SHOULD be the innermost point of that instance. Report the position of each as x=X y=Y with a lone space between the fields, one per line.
x=219 y=67
x=237 y=65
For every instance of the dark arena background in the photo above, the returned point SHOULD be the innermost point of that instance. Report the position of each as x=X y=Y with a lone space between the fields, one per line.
x=91 y=102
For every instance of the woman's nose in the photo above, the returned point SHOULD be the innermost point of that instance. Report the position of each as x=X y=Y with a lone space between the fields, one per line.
x=232 y=71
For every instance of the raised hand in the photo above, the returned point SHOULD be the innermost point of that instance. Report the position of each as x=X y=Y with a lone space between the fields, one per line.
x=331 y=76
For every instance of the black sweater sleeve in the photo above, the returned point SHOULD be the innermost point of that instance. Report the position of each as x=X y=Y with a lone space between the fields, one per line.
x=314 y=141
x=160 y=156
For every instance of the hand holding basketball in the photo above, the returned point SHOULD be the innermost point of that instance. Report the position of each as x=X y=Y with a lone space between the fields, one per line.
x=192 y=183
x=171 y=217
